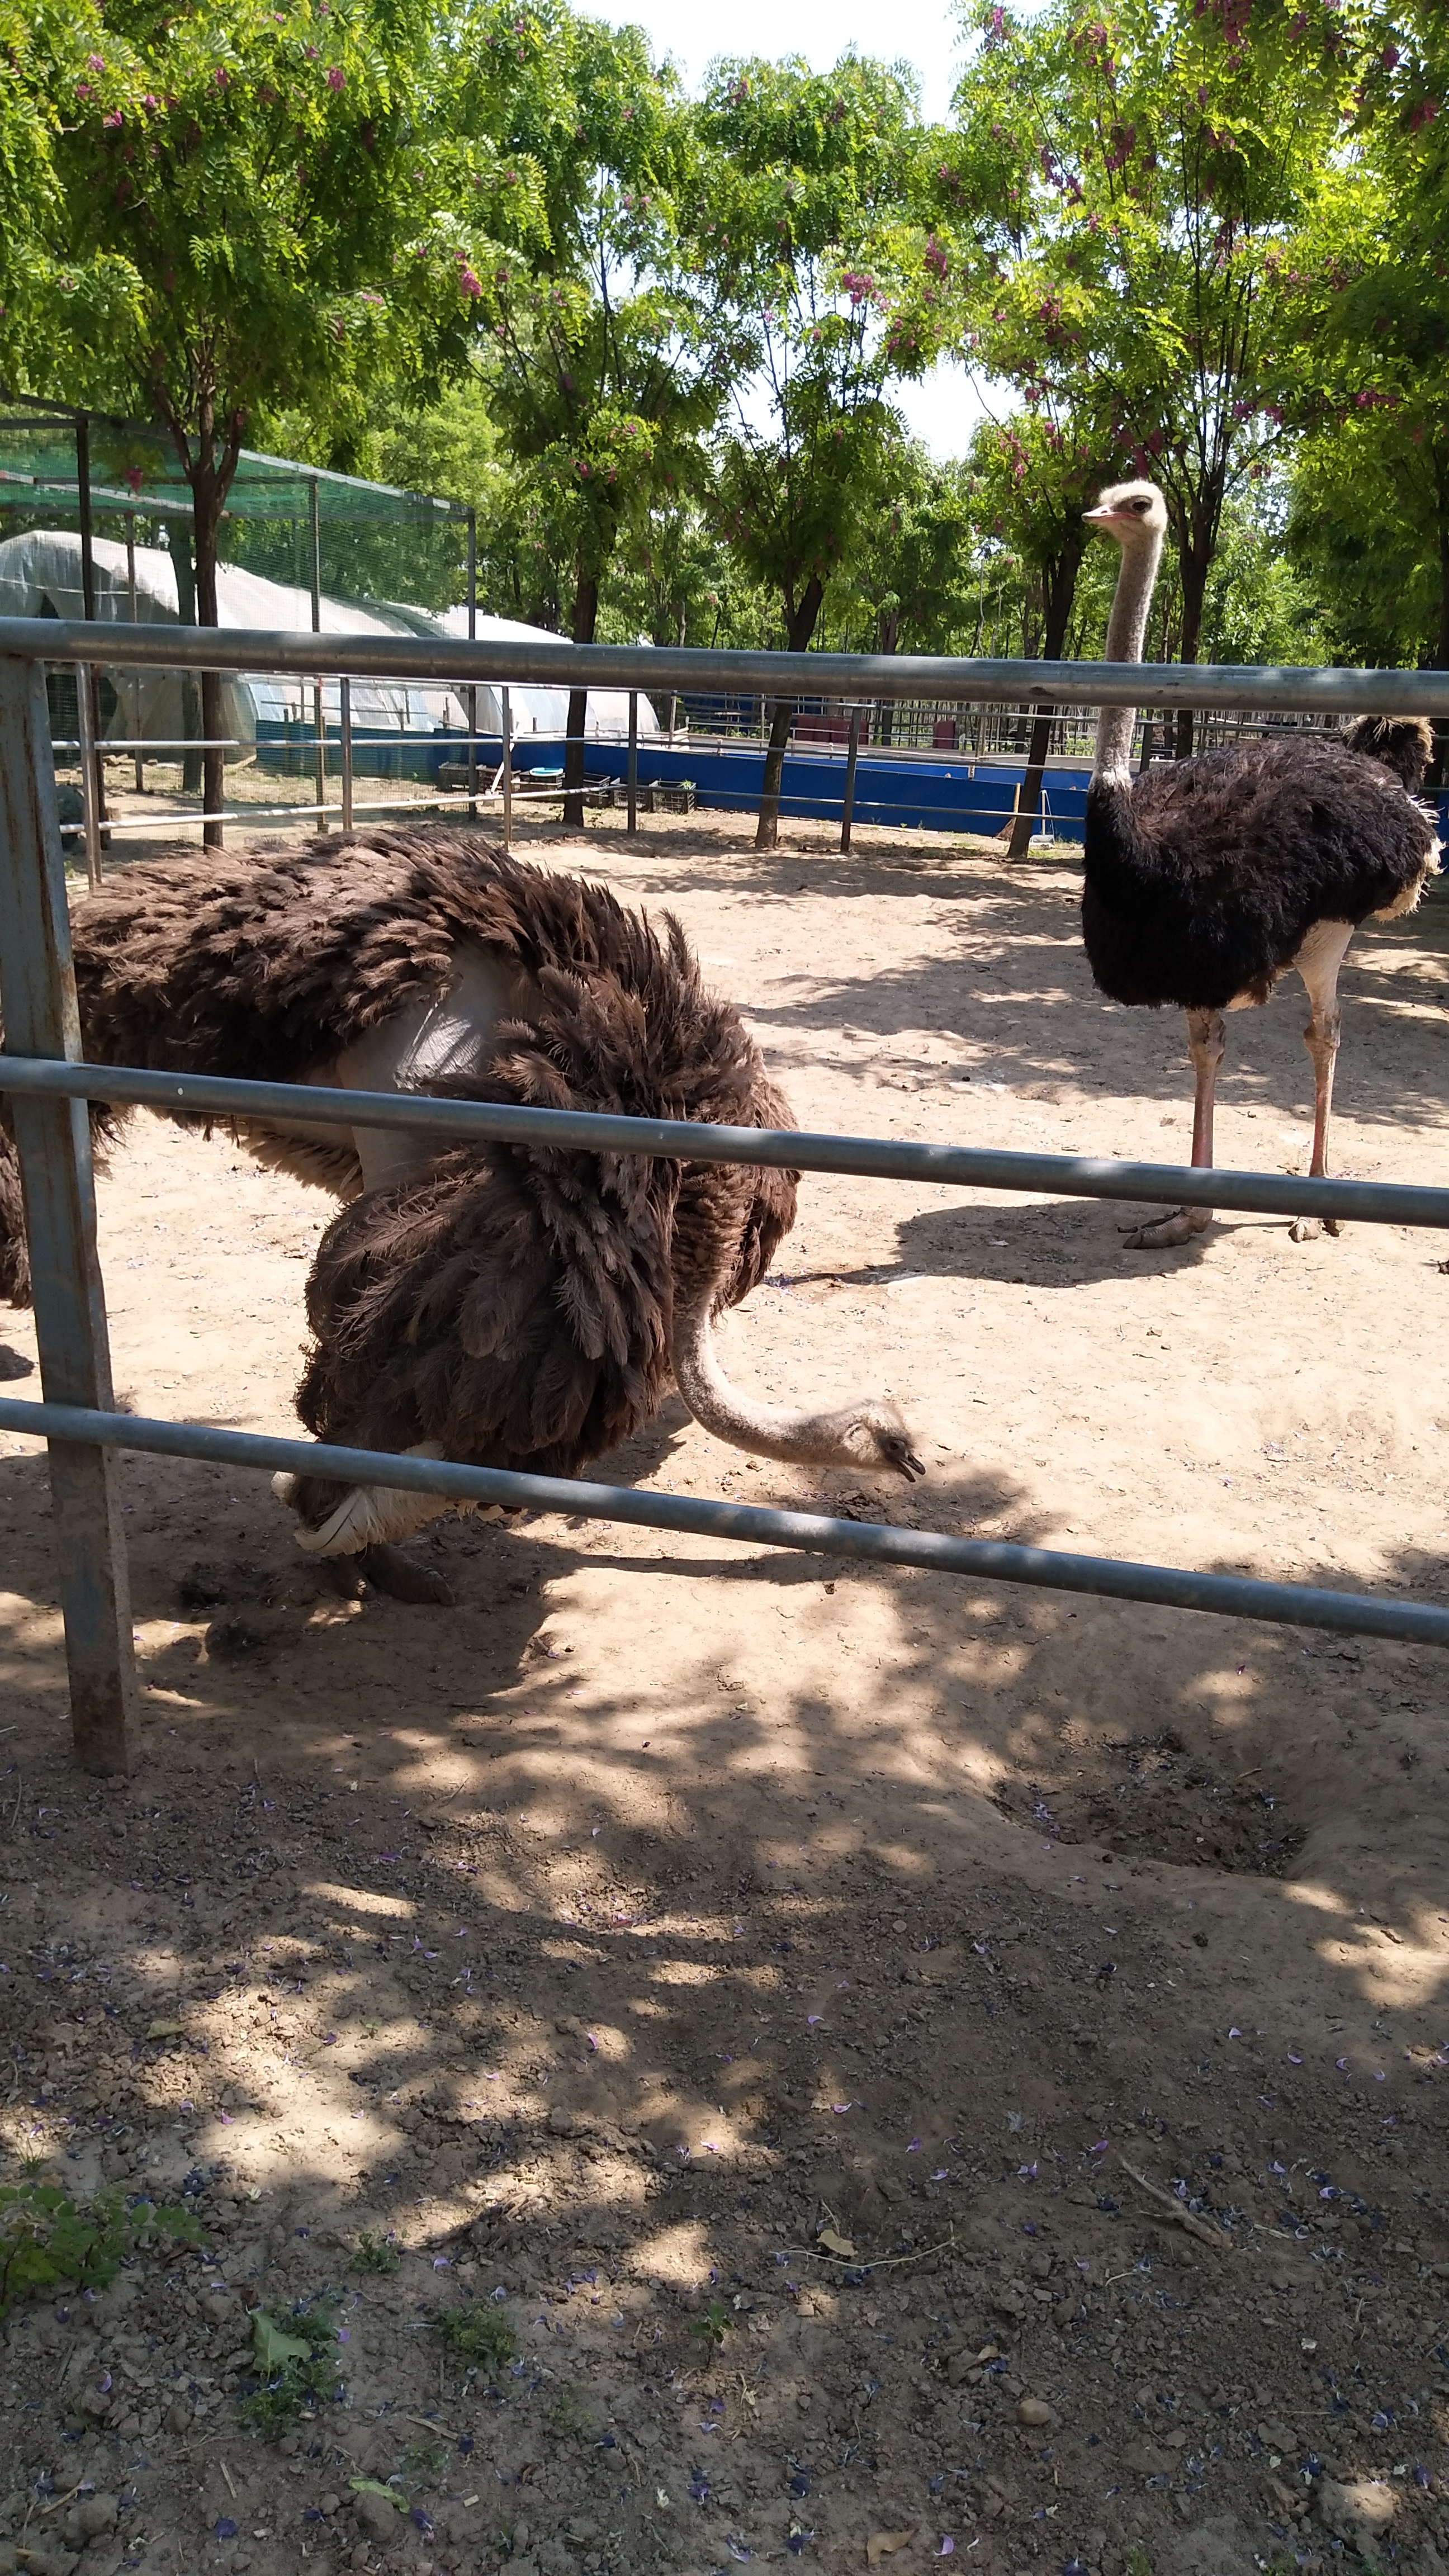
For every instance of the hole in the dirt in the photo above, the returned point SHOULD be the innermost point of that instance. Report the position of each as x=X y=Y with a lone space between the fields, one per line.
x=1148 y=1797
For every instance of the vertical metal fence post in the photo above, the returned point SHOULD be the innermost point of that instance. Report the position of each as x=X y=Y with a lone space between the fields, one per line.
x=86 y=678
x=319 y=713
x=472 y=685
x=344 y=690
x=633 y=790
x=86 y=729
x=37 y=996
x=507 y=771
x=847 y=811
x=135 y=676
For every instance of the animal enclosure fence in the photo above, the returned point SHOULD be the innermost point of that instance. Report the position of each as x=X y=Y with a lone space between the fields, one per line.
x=49 y=1086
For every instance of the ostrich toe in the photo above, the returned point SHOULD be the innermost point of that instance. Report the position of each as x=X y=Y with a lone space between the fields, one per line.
x=1180 y=1228
x=1307 y=1229
x=402 y=1578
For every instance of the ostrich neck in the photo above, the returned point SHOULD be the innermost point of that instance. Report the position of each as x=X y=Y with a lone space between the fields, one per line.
x=1126 y=634
x=768 y=1430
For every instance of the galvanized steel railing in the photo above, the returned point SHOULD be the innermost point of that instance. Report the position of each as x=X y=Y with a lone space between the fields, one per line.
x=49 y=1086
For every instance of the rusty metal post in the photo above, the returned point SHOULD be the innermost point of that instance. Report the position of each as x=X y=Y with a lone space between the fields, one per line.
x=85 y=726
x=319 y=711
x=38 y=1000
x=507 y=715
x=135 y=676
x=87 y=677
x=471 y=693
x=847 y=811
x=633 y=788
x=344 y=717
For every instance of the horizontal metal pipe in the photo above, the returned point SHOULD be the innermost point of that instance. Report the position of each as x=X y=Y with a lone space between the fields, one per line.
x=784 y=1149
x=663 y=666
x=148 y=742
x=1235 y=1596
x=427 y=801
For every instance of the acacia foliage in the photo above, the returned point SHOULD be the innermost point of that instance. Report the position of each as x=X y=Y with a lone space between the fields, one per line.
x=1166 y=156
x=272 y=209
x=825 y=248
x=1370 y=486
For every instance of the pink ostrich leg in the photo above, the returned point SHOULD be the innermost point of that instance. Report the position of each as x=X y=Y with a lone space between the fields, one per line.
x=1318 y=962
x=1206 y=1042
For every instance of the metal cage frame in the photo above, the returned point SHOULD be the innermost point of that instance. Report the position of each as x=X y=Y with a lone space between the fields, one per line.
x=49 y=1085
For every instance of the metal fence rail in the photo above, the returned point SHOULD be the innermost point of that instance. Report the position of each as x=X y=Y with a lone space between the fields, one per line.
x=1305 y=690
x=1236 y=1596
x=49 y=1086
x=783 y=1149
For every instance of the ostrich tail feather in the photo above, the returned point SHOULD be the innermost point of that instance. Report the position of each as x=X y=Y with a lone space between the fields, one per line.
x=14 y=1251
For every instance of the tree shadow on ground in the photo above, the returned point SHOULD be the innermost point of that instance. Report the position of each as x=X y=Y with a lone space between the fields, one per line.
x=932 y=1913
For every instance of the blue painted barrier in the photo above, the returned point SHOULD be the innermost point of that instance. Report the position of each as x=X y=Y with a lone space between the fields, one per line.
x=920 y=795
x=915 y=794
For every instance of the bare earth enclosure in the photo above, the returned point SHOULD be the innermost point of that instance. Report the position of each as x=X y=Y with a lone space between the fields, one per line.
x=738 y=2058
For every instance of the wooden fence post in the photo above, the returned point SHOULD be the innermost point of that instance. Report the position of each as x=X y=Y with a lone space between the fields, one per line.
x=38 y=1004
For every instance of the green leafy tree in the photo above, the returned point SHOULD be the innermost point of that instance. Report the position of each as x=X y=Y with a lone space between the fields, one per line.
x=817 y=244
x=1034 y=476
x=266 y=184
x=911 y=580
x=598 y=374
x=1167 y=157
x=44 y=53
x=1370 y=514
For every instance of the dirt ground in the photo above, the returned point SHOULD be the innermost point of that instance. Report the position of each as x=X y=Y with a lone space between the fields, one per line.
x=892 y=2069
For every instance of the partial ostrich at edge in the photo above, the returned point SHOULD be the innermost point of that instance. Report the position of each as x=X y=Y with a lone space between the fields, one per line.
x=1206 y=879
x=502 y=1305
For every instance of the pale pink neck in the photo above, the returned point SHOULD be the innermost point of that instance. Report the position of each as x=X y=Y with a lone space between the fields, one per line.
x=767 y=1430
x=1126 y=635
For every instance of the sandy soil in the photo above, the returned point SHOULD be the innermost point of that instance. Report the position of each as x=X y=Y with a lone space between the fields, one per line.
x=597 y=1944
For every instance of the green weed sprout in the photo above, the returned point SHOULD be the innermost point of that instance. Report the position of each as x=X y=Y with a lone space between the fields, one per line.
x=296 y=2366
x=713 y=2323
x=480 y=2335
x=49 y=2242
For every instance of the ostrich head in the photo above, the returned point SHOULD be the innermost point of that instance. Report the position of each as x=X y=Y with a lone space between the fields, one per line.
x=869 y=1433
x=1404 y=744
x=1133 y=513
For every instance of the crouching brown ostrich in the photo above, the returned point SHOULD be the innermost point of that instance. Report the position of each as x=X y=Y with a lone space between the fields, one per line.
x=1206 y=879
x=502 y=1305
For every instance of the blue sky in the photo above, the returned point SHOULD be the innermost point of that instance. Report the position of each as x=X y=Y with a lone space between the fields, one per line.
x=945 y=407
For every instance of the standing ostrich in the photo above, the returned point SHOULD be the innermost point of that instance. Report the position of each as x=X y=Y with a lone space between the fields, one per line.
x=1206 y=879
x=503 y=1305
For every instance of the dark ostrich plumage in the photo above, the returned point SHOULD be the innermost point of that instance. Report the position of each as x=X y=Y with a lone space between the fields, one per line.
x=500 y=1305
x=1206 y=880
x=1205 y=876
x=213 y=965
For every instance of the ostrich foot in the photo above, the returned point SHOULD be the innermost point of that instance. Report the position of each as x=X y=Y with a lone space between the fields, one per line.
x=341 y=1576
x=1180 y=1228
x=401 y=1577
x=1307 y=1229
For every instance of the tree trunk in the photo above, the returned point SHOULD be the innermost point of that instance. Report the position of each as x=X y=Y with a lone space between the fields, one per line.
x=887 y=640
x=191 y=723
x=800 y=623
x=1194 y=566
x=207 y=495
x=586 y=618
x=1437 y=775
x=1061 y=590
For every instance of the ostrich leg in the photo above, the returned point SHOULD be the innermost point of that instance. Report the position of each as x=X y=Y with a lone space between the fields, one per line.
x=1318 y=962
x=1205 y=1043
